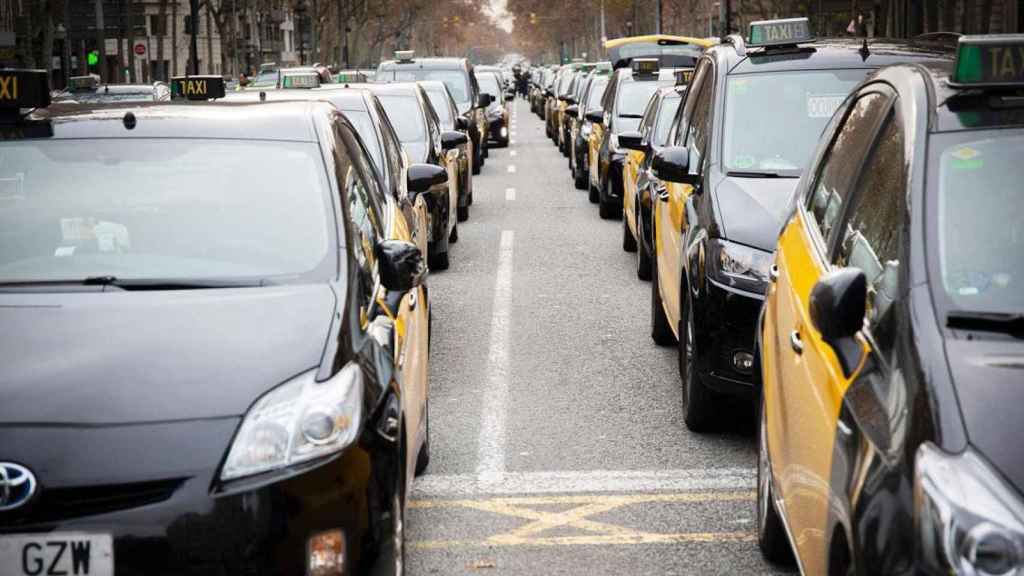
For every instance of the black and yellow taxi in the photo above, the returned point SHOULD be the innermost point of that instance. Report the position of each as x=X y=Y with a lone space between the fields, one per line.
x=639 y=187
x=891 y=337
x=491 y=83
x=559 y=86
x=457 y=74
x=216 y=387
x=581 y=125
x=627 y=95
x=752 y=115
x=450 y=120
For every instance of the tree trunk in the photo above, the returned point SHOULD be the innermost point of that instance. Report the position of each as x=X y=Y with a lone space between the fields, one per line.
x=161 y=71
x=101 y=44
x=130 y=7
x=209 y=41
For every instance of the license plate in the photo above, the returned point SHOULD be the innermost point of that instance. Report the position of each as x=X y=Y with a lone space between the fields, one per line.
x=57 y=554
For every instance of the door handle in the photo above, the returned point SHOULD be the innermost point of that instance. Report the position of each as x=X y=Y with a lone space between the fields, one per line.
x=413 y=299
x=663 y=194
x=773 y=273
x=796 y=342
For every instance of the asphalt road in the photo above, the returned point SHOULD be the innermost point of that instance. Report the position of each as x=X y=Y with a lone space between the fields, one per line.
x=557 y=441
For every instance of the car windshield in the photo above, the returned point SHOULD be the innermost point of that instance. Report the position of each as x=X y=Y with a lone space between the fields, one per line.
x=405 y=115
x=488 y=83
x=364 y=127
x=666 y=114
x=439 y=100
x=980 y=223
x=802 y=102
x=631 y=102
x=170 y=209
x=597 y=86
x=455 y=80
x=264 y=80
x=564 y=82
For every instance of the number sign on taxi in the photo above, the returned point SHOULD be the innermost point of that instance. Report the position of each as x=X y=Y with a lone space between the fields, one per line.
x=790 y=31
x=995 y=60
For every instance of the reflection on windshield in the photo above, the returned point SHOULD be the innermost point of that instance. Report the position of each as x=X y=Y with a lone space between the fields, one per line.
x=667 y=114
x=981 y=223
x=633 y=97
x=405 y=115
x=801 y=103
x=455 y=80
x=596 y=92
x=488 y=84
x=439 y=100
x=364 y=127
x=168 y=209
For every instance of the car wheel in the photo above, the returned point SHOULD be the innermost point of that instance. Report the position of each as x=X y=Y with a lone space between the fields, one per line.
x=477 y=161
x=661 y=333
x=607 y=208
x=698 y=401
x=423 y=458
x=579 y=177
x=628 y=242
x=462 y=213
x=771 y=534
x=453 y=236
x=439 y=260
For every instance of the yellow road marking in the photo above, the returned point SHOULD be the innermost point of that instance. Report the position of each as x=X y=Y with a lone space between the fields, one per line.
x=578 y=517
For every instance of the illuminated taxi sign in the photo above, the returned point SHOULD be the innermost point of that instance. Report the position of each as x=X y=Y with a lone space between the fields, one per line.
x=24 y=89
x=83 y=83
x=788 y=32
x=404 y=55
x=197 y=87
x=303 y=80
x=351 y=76
x=646 y=67
x=992 y=60
x=683 y=76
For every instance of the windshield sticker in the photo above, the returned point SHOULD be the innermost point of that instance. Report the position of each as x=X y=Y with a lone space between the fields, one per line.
x=744 y=161
x=739 y=86
x=966 y=159
x=64 y=251
x=823 y=105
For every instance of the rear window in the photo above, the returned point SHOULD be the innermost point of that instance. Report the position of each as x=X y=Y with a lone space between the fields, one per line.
x=405 y=115
x=456 y=80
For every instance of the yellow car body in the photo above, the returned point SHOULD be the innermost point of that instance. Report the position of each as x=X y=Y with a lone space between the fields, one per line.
x=594 y=151
x=630 y=174
x=669 y=216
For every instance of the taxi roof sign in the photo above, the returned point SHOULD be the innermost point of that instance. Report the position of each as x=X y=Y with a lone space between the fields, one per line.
x=197 y=87
x=300 y=80
x=993 y=60
x=646 y=67
x=24 y=89
x=404 y=55
x=86 y=83
x=787 y=32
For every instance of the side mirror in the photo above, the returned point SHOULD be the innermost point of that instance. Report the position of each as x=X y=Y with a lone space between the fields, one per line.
x=401 y=265
x=510 y=93
x=595 y=116
x=462 y=123
x=571 y=100
x=672 y=164
x=838 y=306
x=452 y=139
x=549 y=93
x=485 y=100
x=632 y=140
x=423 y=177
x=573 y=111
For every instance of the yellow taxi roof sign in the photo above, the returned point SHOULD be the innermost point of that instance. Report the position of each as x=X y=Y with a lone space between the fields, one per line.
x=24 y=89
x=197 y=87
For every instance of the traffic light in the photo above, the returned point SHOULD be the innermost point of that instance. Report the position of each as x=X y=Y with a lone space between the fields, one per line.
x=92 y=58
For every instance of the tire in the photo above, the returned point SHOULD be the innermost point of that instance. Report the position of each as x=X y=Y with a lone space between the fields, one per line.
x=439 y=260
x=594 y=195
x=628 y=242
x=698 y=401
x=477 y=161
x=423 y=458
x=661 y=333
x=771 y=534
x=579 y=177
x=608 y=209
x=462 y=214
x=453 y=236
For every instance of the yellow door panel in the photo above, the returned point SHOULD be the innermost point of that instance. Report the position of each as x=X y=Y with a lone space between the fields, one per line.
x=596 y=134
x=630 y=173
x=670 y=256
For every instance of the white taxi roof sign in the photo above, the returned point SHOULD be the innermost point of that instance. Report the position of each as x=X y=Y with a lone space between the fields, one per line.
x=786 y=32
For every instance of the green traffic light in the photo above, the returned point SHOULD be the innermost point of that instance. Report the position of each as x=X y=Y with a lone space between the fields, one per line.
x=93 y=58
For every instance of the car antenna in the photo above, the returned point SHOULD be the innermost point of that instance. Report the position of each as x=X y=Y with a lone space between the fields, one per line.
x=864 y=50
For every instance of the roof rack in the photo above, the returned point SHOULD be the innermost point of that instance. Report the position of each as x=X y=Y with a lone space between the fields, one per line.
x=737 y=42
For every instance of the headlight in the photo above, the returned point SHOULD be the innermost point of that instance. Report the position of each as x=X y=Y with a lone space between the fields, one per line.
x=299 y=420
x=739 y=266
x=585 y=130
x=968 y=520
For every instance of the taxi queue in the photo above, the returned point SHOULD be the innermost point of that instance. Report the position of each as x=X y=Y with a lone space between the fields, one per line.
x=216 y=312
x=833 y=229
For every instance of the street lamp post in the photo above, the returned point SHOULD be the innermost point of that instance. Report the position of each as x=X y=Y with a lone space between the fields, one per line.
x=193 y=49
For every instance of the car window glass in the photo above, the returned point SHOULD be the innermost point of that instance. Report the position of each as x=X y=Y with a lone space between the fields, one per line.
x=406 y=116
x=597 y=89
x=366 y=130
x=392 y=151
x=871 y=237
x=365 y=227
x=647 y=122
x=666 y=114
x=693 y=94
x=439 y=100
x=838 y=169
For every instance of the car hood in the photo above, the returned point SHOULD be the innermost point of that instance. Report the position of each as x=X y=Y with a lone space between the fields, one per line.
x=987 y=375
x=417 y=151
x=752 y=210
x=134 y=357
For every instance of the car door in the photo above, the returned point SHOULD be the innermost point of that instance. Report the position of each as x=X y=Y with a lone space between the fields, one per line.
x=807 y=394
x=670 y=209
x=631 y=167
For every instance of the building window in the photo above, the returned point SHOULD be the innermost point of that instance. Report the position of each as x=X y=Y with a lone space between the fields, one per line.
x=158 y=25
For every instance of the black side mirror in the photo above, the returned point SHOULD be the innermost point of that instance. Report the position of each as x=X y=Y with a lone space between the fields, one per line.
x=595 y=116
x=549 y=93
x=401 y=265
x=485 y=100
x=452 y=139
x=570 y=100
x=462 y=123
x=423 y=177
x=672 y=164
x=573 y=111
x=632 y=140
x=838 y=306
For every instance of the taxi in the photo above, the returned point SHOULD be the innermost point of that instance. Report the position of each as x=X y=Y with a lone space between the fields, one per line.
x=247 y=339
x=628 y=93
x=581 y=127
x=447 y=112
x=89 y=90
x=891 y=337
x=567 y=98
x=639 y=187
x=551 y=101
x=751 y=118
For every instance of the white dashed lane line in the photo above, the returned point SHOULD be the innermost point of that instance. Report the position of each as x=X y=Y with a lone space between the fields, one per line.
x=510 y=193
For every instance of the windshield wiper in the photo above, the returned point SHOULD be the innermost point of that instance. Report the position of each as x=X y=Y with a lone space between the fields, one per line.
x=146 y=283
x=1012 y=324
x=631 y=115
x=759 y=174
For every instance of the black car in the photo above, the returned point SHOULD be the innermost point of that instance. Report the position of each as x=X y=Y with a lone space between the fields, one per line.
x=444 y=105
x=408 y=107
x=740 y=142
x=457 y=74
x=914 y=284
x=580 y=126
x=198 y=375
x=490 y=82
x=623 y=104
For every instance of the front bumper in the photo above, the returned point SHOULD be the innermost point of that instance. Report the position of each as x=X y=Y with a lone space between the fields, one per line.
x=186 y=529
x=498 y=130
x=724 y=323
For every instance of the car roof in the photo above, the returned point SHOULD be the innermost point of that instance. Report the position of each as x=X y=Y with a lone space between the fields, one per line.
x=279 y=121
x=830 y=54
x=393 y=88
x=434 y=63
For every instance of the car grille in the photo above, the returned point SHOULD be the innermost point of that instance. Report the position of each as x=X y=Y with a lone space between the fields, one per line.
x=56 y=504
